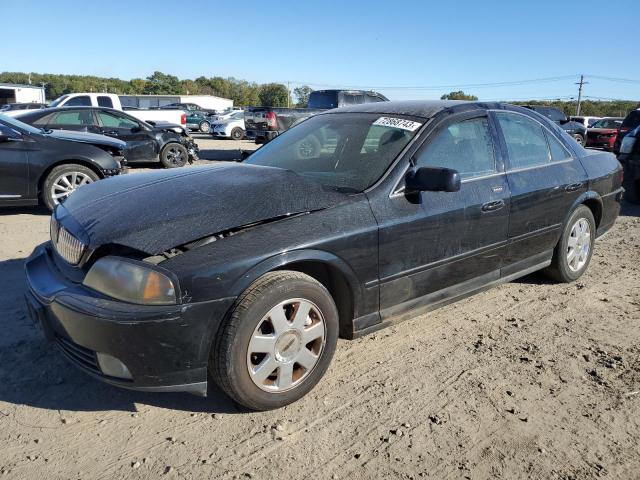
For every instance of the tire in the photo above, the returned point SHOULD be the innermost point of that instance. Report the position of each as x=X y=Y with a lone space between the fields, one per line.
x=579 y=138
x=562 y=269
x=276 y=378
x=174 y=155
x=237 y=133
x=63 y=180
x=204 y=127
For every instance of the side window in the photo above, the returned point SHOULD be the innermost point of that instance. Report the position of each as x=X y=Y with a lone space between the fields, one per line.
x=82 y=117
x=465 y=146
x=558 y=152
x=373 y=98
x=105 y=102
x=80 y=101
x=44 y=121
x=525 y=139
x=112 y=121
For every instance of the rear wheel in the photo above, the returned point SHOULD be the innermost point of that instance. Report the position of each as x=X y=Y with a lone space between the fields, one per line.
x=237 y=133
x=174 y=155
x=579 y=138
x=277 y=342
x=204 y=127
x=63 y=180
x=573 y=252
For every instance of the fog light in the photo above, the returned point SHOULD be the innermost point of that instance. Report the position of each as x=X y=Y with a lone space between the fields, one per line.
x=113 y=367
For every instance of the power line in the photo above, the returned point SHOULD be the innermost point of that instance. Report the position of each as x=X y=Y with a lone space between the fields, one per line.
x=614 y=79
x=439 y=87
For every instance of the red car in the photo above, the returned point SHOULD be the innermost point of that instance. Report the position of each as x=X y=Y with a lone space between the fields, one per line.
x=603 y=133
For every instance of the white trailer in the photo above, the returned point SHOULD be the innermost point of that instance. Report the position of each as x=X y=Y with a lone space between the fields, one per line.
x=14 y=93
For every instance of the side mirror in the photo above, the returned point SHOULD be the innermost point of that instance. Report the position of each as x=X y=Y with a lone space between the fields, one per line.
x=7 y=134
x=136 y=129
x=432 y=179
x=244 y=154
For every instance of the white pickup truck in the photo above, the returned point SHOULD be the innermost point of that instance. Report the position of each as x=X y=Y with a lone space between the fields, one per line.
x=109 y=100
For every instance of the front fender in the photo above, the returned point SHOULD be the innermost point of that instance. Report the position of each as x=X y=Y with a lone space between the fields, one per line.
x=276 y=262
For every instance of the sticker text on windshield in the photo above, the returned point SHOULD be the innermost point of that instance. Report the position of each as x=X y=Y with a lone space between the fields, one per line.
x=398 y=123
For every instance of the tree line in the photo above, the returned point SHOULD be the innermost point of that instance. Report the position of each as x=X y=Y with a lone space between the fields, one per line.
x=244 y=93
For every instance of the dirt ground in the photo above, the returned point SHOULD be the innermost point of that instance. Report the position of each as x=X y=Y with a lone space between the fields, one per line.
x=527 y=380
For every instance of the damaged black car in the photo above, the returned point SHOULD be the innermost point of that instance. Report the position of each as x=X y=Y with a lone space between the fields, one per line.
x=168 y=144
x=246 y=274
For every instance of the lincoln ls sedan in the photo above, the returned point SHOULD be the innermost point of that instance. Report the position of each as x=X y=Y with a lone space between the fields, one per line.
x=246 y=274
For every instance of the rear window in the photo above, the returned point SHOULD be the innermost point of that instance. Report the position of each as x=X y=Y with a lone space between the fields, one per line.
x=323 y=100
x=632 y=120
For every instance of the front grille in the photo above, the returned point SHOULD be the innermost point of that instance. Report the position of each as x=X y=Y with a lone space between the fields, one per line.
x=83 y=357
x=67 y=246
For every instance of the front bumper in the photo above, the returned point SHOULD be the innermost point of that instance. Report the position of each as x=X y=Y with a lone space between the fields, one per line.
x=166 y=348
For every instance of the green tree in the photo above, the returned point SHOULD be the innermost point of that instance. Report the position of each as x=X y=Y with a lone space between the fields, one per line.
x=302 y=95
x=274 y=95
x=459 y=95
x=162 y=84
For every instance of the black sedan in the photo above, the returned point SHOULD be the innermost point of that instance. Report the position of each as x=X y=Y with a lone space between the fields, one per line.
x=37 y=165
x=145 y=142
x=404 y=207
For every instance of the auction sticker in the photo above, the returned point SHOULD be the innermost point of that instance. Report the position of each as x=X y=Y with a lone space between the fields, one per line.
x=398 y=123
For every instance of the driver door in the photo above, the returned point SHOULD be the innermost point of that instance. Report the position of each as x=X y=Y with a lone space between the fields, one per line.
x=141 y=143
x=14 y=167
x=438 y=245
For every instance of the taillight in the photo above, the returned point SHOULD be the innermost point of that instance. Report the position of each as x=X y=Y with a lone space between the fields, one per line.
x=272 y=121
x=183 y=119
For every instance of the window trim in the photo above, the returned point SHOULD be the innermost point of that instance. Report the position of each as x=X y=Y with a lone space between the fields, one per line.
x=546 y=130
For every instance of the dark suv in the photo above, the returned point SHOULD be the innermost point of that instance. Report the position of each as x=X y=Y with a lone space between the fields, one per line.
x=630 y=122
x=575 y=129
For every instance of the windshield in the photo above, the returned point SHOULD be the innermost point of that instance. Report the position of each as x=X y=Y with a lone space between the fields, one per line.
x=59 y=100
x=323 y=100
x=348 y=152
x=17 y=124
x=607 y=123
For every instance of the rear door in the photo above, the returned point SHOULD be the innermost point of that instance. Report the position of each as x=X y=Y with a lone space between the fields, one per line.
x=141 y=143
x=435 y=245
x=545 y=180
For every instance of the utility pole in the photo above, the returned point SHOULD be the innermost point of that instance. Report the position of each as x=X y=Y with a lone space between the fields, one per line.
x=580 y=84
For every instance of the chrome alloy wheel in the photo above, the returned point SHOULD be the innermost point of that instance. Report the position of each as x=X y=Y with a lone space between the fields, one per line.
x=286 y=345
x=66 y=184
x=579 y=244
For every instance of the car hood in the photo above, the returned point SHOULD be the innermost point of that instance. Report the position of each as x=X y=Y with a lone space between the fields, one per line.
x=85 y=137
x=154 y=212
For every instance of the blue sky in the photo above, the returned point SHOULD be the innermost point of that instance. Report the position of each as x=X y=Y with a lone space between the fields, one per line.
x=385 y=45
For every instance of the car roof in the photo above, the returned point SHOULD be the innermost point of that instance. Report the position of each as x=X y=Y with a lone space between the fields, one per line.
x=414 y=108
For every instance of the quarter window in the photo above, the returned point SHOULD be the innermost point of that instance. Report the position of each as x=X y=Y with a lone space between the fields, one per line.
x=465 y=146
x=525 y=139
x=558 y=152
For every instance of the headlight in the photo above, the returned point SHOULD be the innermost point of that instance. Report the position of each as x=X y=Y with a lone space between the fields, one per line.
x=131 y=281
x=627 y=144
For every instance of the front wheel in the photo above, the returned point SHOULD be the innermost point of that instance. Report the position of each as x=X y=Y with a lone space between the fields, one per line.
x=174 y=155
x=277 y=342
x=63 y=180
x=579 y=138
x=573 y=252
x=204 y=127
x=237 y=133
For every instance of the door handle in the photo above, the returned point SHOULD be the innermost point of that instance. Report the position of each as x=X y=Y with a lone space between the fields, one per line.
x=493 y=206
x=573 y=187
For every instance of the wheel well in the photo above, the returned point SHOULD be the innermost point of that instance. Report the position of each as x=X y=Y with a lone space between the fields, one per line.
x=596 y=208
x=72 y=161
x=334 y=281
